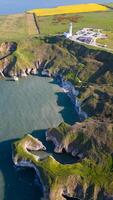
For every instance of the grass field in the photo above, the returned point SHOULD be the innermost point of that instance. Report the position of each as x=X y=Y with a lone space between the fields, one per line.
x=69 y=9
x=16 y=27
x=21 y=26
x=60 y=23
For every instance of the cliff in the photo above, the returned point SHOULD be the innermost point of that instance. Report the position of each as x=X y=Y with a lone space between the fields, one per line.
x=90 y=138
x=90 y=141
x=83 y=180
x=75 y=61
x=35 y=53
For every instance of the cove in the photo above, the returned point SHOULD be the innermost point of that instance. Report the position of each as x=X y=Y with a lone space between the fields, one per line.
x=28 y=106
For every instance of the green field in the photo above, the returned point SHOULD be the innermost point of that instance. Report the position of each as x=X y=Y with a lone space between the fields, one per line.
x=21 y=26
x=59 y=24
x=16 y=27
x=56 y=24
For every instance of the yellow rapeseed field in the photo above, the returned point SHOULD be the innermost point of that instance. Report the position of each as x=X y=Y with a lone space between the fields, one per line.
x=69 y=9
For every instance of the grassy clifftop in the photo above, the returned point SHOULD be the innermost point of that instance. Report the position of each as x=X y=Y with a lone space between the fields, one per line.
x=82 y=180
x=73 y=60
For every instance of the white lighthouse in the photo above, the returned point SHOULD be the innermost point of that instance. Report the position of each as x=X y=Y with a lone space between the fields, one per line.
x=70 y=33
x=71 y=29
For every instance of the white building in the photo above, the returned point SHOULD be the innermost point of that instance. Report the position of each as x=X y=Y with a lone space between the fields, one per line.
x=70 y=33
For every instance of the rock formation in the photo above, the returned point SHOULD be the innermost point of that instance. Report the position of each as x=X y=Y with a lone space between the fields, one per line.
x=83 y=180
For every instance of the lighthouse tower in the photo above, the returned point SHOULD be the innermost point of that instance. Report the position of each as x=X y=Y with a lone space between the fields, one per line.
x=70 y=32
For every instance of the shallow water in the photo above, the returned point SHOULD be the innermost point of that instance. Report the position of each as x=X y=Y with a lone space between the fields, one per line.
x=28 y=106
x=14 y=6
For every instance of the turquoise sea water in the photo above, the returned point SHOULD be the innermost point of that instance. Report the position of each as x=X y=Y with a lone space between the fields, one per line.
x=14 y=6
x=27 y=106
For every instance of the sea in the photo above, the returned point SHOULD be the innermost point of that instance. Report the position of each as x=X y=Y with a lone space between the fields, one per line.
x=30 y=105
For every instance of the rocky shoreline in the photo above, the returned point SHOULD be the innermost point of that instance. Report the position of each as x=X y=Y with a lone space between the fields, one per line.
x=20 y=74
x=72 y=93
x=31 y=144
x=55 y=183
x=67 y=86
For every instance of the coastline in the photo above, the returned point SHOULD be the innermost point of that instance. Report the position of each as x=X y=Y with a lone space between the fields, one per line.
x=66 y=86
x=32 y=144
x=69 y=89
x=72 y=93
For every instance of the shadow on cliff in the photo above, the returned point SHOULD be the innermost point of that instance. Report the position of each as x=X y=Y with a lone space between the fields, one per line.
x=68 y=112
x=10 y=66
x=97 y=104
x=63 y=158
x=100 y=74
x=18 y=184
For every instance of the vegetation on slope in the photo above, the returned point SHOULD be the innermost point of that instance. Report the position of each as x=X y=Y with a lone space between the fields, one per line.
x=74 y=61
x=57 y=177
x=36 y=51
x=90 y=138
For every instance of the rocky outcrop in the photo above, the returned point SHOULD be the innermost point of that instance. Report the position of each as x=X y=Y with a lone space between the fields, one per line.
x=97 y=100
x=27 y=71
x=72 y=93
x=6 y=47
x=33 y=71
x=60 y=182
x=22 y=73
x=84 y=139
x=1 y=74
x=30 y=144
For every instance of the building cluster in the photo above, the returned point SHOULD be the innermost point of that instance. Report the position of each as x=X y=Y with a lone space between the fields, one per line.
x=85 y=35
